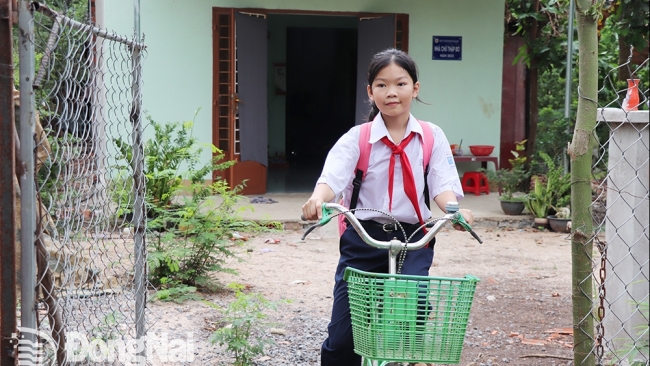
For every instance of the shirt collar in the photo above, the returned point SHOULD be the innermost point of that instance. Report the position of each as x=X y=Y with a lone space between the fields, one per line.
x=379 y=130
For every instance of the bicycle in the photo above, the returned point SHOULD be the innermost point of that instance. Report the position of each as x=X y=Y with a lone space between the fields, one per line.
x=405 y=318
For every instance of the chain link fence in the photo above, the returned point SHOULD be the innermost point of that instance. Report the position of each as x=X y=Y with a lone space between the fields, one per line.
x=87 y=195
x=620 y=212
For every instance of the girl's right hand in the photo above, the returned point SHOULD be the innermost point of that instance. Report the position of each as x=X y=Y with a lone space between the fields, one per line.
x=313 y=208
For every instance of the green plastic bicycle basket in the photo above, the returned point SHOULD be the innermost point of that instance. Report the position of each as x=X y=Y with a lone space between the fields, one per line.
x=409 y=318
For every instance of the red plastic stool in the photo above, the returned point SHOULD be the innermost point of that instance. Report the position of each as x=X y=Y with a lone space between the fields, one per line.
x=476 y=182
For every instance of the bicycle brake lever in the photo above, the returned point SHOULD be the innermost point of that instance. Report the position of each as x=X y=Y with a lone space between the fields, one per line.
x=309 y=230
x=327 y=216
x=461 y=221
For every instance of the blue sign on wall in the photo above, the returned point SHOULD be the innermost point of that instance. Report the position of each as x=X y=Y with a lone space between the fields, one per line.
x=447 y=48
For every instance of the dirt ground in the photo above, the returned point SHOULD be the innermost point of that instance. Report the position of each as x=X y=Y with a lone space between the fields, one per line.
x=521 y=313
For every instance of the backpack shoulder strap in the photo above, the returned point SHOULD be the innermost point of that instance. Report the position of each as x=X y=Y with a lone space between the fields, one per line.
x=364 y=148
x=362 y=163
x=427 y=143
x=427 y=149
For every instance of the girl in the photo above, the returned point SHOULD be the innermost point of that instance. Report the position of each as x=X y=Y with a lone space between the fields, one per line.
x=390 y=185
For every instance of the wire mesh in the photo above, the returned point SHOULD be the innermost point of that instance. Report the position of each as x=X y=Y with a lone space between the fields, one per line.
x=620 y=213
x=89 y=188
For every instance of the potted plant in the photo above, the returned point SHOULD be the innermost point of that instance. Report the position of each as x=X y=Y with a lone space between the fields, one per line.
x=561 y=221
x=537 y=201
x=509 y=181
x=549 y=191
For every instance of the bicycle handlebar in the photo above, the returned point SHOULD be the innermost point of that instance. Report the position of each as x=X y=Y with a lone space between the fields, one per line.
x=452 y=215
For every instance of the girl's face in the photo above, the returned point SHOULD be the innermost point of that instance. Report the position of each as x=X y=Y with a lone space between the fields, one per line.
x=393 y=91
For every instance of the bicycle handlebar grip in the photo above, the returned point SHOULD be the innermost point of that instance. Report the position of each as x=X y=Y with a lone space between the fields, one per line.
x=303 y=218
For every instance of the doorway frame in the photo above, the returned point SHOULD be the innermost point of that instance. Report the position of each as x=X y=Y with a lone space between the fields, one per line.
x=223 y=137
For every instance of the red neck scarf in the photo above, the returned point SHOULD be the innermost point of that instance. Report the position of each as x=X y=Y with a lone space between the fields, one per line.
x=407 y=173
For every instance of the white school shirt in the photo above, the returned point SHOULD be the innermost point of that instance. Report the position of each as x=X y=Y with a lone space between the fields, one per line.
x=341 y=162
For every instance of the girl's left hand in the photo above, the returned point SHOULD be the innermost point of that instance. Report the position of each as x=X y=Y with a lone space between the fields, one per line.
x=468 y=216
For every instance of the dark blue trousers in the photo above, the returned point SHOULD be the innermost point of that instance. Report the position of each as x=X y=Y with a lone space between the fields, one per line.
x=338 y=348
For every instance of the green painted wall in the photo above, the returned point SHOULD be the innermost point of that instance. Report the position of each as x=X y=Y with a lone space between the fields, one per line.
x=464 y=97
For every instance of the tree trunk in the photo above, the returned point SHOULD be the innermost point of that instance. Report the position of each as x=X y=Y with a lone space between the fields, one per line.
x=580 y=151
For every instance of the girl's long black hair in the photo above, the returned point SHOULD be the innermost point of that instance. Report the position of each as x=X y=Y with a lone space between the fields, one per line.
x=383 y=59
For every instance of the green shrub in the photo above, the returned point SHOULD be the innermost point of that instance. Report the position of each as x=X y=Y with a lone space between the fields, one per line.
x=196 y=239
x=172 y=148
x=245 y=323
x=193 y=224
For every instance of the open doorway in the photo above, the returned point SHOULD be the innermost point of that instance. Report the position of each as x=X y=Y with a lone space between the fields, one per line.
x=320 y=99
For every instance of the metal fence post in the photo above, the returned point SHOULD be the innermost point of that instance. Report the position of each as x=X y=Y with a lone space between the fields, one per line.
x=139 y=210
x=7 y=177
x=27 y=184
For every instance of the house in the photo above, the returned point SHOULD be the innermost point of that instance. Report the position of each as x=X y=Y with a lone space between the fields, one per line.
x=278 y=81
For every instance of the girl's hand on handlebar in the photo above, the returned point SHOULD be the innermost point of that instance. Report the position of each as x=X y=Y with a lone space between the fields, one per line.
x=313 y=209
x=468 y=216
